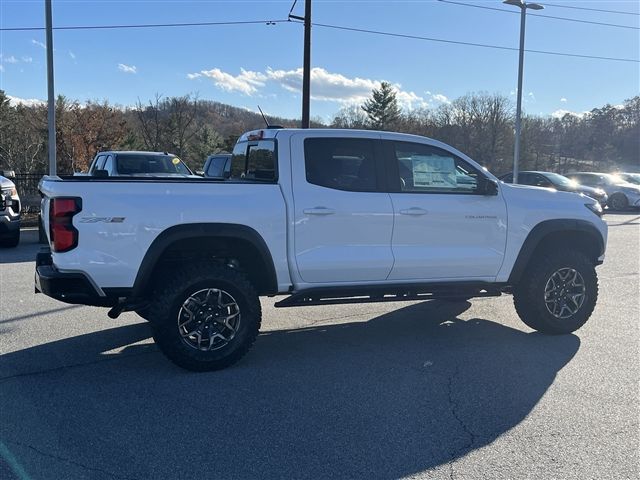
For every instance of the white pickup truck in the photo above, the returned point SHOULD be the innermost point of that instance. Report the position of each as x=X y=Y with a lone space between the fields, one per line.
x=323 y=216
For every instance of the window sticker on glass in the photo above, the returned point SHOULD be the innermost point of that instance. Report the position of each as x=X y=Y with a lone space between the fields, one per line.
x=433 y=171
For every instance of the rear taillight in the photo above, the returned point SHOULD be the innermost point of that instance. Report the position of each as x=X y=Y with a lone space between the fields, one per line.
x=62 y=233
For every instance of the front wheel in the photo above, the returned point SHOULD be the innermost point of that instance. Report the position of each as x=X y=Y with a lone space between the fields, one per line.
x=619 y=201
x=557 y=293
x=206 y=317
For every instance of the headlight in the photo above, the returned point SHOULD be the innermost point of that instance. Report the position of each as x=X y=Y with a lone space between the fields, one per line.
x=11 y=191
x=595 y=208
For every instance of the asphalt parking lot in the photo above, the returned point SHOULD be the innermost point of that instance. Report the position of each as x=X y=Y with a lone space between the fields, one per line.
x=418 y=390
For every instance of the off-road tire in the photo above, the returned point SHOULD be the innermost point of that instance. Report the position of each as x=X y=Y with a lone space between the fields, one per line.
x=168 y=298
x=10 y=241
x=529 y=294
x=618 y=201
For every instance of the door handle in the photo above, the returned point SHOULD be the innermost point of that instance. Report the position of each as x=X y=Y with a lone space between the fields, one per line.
x=319 y=211
x=416 y=211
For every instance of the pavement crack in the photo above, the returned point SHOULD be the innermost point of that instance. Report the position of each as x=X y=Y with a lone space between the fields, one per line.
x=453 y=404
x=74 y=365
x=70 y=461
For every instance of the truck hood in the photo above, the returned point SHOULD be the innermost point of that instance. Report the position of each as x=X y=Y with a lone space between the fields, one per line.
x=547 y=198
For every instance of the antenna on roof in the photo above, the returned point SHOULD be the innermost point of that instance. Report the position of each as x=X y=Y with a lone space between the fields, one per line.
x=263 y=117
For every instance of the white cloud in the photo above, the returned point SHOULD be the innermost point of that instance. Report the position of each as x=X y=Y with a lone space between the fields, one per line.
x=127 y=68
x=325 y=86
x=72 y=55
x=10 y=59
x=563 y=100
x=39 y=44
x=27 y=59
x=247 y=82
x=561 y=113
x=28 y=102
x=438 y=98
x=1 y=68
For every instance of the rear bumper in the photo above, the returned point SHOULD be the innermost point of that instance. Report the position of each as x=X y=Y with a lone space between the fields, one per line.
x=68 y=287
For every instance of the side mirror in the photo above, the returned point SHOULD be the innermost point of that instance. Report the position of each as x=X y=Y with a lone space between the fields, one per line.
x=100 y=173
x=487 y=186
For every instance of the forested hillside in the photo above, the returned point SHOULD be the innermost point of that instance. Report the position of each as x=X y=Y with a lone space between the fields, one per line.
x=478 y=124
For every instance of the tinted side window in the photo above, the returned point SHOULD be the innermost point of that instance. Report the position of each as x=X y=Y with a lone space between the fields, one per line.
x=341 y=163
x=98 y=164
x=108 y=165
x=218 y=166
x=426 y=169
x=254 y=161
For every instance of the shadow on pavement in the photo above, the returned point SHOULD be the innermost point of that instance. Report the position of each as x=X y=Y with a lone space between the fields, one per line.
x=24 y=252
x=402 y=393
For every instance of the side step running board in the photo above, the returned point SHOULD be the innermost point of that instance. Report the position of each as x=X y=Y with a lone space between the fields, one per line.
x=386 y=293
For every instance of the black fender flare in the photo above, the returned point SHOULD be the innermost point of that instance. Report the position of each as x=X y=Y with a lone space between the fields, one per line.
x=543 y=230
x=226 y=231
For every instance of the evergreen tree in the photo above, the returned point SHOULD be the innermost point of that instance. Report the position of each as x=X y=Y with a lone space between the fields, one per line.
x=382 y=108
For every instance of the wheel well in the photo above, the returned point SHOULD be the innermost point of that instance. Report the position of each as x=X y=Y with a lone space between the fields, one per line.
x=238 y=253
x=554 y=235
x=580 y=241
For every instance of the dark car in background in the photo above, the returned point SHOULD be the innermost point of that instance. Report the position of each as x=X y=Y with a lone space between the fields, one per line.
x=622 y=194
x=559 y=182
x=217 y=166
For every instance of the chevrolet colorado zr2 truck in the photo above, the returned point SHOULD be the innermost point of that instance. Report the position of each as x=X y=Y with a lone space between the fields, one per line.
x=322 y=216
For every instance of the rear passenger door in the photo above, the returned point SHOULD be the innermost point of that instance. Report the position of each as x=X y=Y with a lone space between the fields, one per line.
x=343 y=216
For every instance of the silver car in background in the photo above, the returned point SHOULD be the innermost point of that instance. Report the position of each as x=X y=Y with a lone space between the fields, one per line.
x=622 y=194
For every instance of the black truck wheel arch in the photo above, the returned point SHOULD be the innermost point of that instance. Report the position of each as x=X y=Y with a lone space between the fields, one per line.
x=562 y=230
x=225 y=231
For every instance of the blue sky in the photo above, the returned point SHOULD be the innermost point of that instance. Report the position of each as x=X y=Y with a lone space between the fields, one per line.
x=247 y=65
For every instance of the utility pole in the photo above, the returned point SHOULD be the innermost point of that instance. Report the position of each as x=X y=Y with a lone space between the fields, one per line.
x=306 y=67
x=523 y=6
x=51 y=98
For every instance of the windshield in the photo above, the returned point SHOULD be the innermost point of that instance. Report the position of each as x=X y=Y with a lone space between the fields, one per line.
x=560 y=180
x=131 y=164
x=630 y=177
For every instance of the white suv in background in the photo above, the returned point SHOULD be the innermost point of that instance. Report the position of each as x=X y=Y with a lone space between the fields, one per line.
x=9 y=214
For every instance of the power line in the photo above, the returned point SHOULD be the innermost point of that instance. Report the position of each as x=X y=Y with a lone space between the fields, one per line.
x=145 y=25
x=457 y=42
x=591 y=9
x=566 y=19
x=292 y=7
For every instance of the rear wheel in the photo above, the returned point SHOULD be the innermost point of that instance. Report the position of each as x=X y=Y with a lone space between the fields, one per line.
x=557 y=293
x=206 y=317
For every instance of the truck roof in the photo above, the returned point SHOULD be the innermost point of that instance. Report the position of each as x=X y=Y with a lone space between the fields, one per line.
x=133 y=152
x=267 y=133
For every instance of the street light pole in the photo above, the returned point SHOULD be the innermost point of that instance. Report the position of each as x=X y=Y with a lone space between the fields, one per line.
x=306 y=65
x=306 y=74
x=51 y=119
x=523 y=15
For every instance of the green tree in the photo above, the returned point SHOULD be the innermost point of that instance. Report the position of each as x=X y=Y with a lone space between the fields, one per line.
x=382 y=108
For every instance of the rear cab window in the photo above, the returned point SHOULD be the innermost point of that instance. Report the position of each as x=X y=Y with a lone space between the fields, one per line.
x=255 y=161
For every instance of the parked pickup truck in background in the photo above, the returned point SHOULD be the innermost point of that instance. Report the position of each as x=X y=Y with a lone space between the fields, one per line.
x=323 y=216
